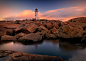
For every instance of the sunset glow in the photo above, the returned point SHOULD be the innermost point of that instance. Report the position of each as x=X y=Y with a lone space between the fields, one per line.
x=15 y=11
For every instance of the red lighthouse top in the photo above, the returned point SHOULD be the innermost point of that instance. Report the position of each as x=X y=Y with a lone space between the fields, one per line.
x=36 y=10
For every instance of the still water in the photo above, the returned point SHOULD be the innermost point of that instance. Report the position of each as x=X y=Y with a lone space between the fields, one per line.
x=66 y=50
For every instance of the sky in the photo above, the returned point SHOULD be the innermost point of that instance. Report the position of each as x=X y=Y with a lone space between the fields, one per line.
x=48 y=9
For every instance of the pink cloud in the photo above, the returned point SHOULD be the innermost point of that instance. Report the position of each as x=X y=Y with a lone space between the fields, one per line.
x=65 y=14
x=26 y=13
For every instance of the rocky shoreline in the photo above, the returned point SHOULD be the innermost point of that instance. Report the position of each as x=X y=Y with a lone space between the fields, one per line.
x=8 y=55
x=37 y=30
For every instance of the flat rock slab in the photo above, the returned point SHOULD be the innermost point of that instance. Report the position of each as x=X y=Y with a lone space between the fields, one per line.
x=20 y=56
x=8 y=38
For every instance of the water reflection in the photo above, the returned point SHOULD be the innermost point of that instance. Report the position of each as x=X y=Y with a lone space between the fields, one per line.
x=36 y=45
x=66 y=50
x=28 y=43
x=71 y=46
x=55 y=42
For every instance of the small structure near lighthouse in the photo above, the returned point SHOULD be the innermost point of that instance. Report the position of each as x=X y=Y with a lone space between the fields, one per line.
x=36 y=14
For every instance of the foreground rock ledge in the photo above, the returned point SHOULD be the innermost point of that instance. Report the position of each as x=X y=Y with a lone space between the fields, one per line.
x=8 y=55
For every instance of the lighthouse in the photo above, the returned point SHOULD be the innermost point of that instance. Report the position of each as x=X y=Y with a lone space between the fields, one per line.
x=36 y=13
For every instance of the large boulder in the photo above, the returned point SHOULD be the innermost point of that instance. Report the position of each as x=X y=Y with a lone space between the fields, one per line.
x=18 y=29
x=70 y=32
x=54 y=30
x=32 y=27
x=79 y=21
x=26 y=28
x=50 y=36
x=42 y=28
x=46 y=32
x=31 y=37
x=76 y=26
x=8 y=38
x=63 y=35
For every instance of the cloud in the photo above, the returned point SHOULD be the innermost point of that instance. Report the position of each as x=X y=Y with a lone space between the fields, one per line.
x=63 y=14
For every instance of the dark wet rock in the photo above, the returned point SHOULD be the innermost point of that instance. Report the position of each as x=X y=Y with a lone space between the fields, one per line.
x=84 y=33
x=9 y=32
x=84 y=28
x=83 y=39
x=4 y=58
x=3 y=54
x=39 y=33
x=8 y=38
x=31 y=37
x=2 y=32
x=20 y=35
x=63 y=35
x=20 y=56
x=24 y=30
x=19 y=28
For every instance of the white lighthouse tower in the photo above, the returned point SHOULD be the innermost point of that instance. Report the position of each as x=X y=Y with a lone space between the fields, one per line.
x=36 y=13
